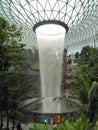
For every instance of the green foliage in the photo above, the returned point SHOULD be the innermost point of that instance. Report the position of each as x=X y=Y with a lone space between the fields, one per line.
x=83 y=95
x=67 y=125
x=93 y=102
x=84 y=81
x=77 y=55
x=10 y=45
x=94 y=72
x=81 y=123
x=10 y=57
x=85 y=54
x=15 y=69
x=96 y=126
x=39 y=127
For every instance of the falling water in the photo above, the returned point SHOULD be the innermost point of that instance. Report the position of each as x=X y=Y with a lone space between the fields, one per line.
x=51 y=45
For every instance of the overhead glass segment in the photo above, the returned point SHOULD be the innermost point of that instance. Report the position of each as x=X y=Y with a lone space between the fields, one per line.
x=81 y=16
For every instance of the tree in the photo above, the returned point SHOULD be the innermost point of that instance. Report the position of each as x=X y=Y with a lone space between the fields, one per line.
x=16 y=71
x=85 y=80
x=83 y=84
x=77 y=55
x=85 y=55
x=10 y=57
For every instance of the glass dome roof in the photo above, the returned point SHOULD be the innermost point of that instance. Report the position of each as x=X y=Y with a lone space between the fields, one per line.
x=81 y=17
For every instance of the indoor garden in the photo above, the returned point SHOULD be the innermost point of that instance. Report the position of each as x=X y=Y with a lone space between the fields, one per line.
x=48 y=65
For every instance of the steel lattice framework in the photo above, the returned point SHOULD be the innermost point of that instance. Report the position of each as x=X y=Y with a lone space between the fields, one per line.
x=81 y=16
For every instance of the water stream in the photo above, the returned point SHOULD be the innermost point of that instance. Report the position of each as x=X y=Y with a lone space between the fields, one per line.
x=51 y=45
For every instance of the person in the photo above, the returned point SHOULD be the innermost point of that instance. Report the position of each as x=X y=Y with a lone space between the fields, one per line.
x=19 y=126
x=46 y=121
x=51 y=120
x=1 y=126
x=57 y=119
x=34 y=117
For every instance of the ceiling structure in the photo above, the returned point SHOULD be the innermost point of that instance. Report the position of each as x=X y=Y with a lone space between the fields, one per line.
x=81 y=17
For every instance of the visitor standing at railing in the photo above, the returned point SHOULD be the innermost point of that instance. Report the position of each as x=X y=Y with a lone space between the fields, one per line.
x=51 y=120
x=57 y=119
x=34 y=117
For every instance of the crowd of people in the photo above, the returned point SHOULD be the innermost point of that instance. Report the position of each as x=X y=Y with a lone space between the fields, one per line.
x=49 y=120
x=52 y=120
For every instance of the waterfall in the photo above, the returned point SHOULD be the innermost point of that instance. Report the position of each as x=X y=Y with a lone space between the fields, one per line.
x=50 y=39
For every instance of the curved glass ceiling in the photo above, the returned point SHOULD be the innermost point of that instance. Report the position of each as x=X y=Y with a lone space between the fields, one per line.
x=81 y=16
